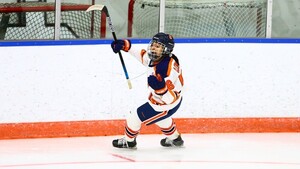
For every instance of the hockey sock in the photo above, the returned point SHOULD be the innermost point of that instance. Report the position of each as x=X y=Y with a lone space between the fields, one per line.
x=133 y=126
x=168 y=128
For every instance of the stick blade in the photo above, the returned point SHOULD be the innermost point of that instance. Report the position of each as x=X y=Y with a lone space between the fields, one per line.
x=95 y=7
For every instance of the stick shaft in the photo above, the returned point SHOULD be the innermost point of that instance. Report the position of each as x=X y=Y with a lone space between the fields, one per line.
x=122 y=62
x=104 y=9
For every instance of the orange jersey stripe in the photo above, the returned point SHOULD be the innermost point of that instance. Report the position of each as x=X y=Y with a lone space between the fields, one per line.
x=170 y=67
x=181 y=79
x=156 y=117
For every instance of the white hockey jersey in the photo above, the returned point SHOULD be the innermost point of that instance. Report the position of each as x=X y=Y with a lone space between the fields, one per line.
x=169 y=70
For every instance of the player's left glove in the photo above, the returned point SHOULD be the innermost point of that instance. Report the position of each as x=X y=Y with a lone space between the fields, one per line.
x=156 y=83
x=119 y=45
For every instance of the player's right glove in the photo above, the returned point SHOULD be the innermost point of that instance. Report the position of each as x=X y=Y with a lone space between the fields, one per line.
x=158 y=84
x=119 y=45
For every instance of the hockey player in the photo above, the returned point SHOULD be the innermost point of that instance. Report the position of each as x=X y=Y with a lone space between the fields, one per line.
x=165 y=83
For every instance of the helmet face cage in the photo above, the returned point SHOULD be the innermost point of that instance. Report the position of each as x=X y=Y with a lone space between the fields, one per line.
x=153 y=55
x=167 y=43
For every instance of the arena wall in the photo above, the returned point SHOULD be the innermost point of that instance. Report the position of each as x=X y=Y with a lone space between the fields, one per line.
x=81 y=90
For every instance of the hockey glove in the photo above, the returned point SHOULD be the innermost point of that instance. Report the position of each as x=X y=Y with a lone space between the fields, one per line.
x=119 y=45
x=156 y=83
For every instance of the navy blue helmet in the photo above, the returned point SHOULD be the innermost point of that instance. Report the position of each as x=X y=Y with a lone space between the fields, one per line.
x=165 y=39
x=167 y=42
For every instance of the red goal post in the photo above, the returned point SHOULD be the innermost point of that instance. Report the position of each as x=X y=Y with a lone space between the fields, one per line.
x=35 y=20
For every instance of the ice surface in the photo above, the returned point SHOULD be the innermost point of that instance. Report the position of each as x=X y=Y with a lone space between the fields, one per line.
x=206 y=151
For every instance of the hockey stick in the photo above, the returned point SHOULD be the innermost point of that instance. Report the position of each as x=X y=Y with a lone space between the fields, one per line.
x=104 y=9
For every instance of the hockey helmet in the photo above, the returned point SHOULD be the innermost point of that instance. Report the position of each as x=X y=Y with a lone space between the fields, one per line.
x=167 y=43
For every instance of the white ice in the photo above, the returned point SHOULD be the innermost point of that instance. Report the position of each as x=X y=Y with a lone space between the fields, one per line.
x=201 y=151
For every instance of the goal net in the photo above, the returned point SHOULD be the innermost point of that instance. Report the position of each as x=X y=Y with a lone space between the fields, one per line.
x=35 y=20
x=199 y=18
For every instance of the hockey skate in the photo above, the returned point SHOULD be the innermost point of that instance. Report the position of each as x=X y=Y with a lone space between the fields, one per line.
x=122 y=143
x=166 y=142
